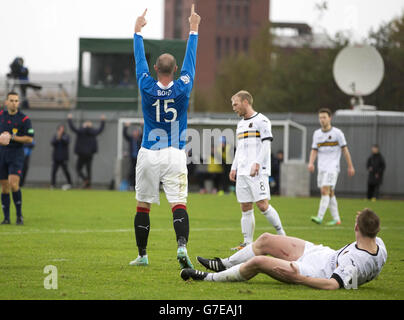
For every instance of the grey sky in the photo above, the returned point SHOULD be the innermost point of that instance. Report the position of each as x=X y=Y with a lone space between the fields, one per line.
x=46 y=32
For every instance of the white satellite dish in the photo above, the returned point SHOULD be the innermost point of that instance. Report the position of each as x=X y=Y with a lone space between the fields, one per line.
x=358 y=70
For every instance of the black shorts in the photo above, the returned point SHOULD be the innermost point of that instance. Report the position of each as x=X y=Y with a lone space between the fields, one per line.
x=11 y=162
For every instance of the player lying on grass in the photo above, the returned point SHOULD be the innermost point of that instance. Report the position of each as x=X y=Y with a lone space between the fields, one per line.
x=301 y=262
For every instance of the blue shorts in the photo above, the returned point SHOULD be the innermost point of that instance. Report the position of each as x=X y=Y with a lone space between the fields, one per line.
x=11 y=162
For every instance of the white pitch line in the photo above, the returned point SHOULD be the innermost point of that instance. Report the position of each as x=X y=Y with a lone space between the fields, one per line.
x=67 y=231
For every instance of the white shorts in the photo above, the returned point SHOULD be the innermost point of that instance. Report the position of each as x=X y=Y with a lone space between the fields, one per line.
x=252 y=189
x=168 y=165
x=315 y=261
x=327 y=178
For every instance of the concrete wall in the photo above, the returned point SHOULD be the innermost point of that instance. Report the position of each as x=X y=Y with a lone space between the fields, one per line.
x=45 y=123
x=360 y=132
x=295 y=179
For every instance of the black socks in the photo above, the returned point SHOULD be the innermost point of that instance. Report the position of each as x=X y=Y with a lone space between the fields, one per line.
x=181 y=224
x=142 y=228
x=5 y=203
x=17 y=197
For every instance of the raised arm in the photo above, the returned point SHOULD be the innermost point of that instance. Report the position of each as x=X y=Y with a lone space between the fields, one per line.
x=140 y=22
x=70 y=123
x=101 y=127
x=194 y=20
x=142 y=69
x=188 y=66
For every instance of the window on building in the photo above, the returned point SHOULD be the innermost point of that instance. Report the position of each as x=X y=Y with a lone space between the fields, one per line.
x=236 y=45
x=246 y=15
x=237 y=14
x=228 y=14
x=218 y=48
x=219 y=14
x=178 y=19
x=101 y=70
x=227 y=46
x=245 y=44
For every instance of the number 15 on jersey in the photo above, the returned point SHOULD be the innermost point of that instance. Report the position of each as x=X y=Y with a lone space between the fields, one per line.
x=167 y=110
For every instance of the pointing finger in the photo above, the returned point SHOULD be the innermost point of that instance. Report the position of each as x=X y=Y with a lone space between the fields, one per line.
x=193 y=8
x=144 y=13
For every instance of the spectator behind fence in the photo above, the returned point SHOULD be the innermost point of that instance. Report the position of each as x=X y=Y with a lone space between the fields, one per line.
x=126 y=80
x=85 y=147
x=215 y=172
x=376 y=166
x=209 y=169
x=19 y=72
x=27 y=156
x=107 y=79
x=135 y=143
x=276 y=172
x=225 y=150
x=60 y=156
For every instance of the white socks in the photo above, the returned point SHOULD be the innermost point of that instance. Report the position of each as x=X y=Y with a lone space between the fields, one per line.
x=248 y=225
x=240 y=256
x=328 y=202
x=324 y=202
x=232 y=274
x=334 y=208
x=273 y=218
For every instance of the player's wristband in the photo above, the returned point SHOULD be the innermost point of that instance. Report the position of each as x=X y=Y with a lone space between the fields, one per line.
x=193 y=32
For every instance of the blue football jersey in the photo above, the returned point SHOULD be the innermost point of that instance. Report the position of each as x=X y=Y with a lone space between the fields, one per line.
x=165 y=107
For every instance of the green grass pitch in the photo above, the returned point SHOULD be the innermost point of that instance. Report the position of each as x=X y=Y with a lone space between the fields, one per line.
x=88 y=236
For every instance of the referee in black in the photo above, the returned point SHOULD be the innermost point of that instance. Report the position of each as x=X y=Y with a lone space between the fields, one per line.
x=18 y=125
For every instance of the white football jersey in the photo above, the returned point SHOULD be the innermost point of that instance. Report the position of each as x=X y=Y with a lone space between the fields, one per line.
x=328 y=144
x=250 y=134
x=352 y=266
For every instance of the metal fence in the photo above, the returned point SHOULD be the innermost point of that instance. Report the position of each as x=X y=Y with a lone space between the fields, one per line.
x=47 y=95
x=360 y=132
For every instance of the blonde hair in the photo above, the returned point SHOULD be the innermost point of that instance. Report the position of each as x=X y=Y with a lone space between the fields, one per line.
x=244 y=95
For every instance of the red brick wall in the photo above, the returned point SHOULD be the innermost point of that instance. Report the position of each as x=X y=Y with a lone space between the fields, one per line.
x=221 y=23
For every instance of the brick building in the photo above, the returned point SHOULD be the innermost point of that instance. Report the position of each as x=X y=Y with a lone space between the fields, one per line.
x=227 y=27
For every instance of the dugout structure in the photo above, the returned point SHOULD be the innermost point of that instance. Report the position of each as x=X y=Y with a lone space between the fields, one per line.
x=289 y=136
x=106 y=75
